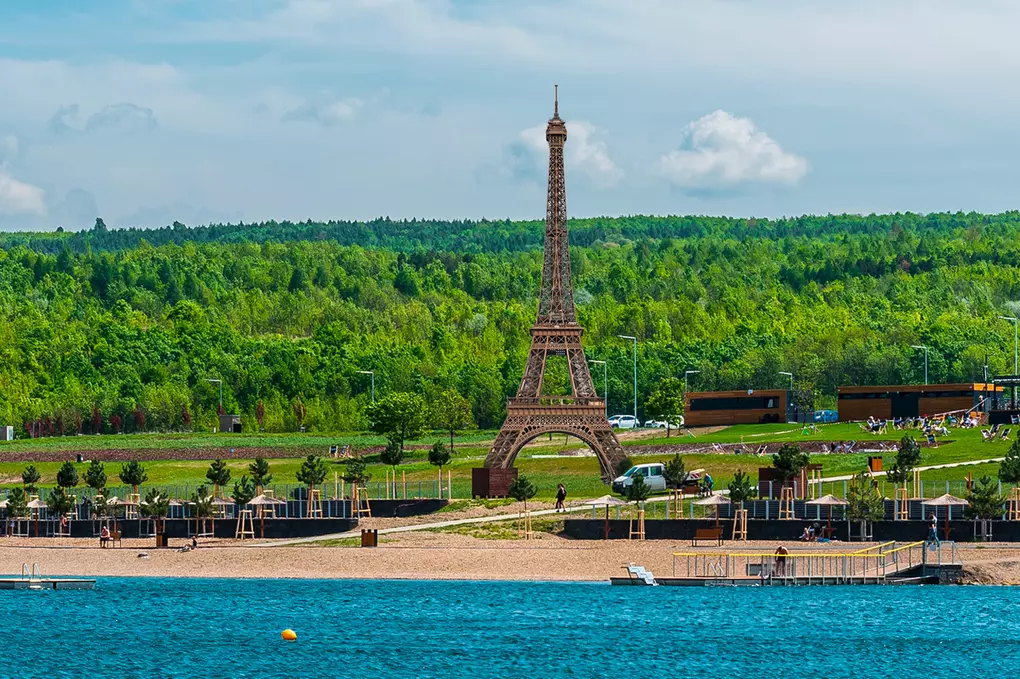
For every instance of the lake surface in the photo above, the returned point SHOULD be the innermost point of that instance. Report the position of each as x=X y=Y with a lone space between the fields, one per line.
x=451 y=630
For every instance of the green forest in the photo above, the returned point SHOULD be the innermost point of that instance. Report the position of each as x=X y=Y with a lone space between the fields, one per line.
x=110 y=330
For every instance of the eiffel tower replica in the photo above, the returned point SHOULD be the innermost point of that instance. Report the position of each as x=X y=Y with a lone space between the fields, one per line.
x=582 y=414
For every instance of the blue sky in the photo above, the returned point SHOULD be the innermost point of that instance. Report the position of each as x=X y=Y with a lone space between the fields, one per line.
x=146 y=111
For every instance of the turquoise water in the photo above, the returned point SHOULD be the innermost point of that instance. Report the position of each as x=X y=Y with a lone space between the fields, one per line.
x=451 y=630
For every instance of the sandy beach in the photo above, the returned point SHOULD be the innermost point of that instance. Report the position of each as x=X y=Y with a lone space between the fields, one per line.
x=422 y=555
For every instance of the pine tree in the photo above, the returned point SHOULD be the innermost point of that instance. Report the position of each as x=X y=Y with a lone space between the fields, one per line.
x=985 y=501
x=1009 y=470
x=522 y=489
x=674 y=472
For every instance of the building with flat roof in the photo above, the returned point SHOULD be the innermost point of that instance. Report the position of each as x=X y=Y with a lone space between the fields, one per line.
x=748 y=406
x=889 y=402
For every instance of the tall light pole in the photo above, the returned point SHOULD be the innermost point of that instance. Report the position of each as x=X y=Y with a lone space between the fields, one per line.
x=790 y=375
x=1016 y=347
x=921 y=346
x=605 y=383
x=369 y=372
x=634 y=340
x=209 y=379
x=686 y=373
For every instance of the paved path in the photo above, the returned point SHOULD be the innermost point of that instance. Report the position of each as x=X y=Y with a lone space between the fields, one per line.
x=579 y=507
x=923 y=469
x=417 y=527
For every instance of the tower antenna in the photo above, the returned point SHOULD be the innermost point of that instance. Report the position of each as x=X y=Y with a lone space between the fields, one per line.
x=556 y=104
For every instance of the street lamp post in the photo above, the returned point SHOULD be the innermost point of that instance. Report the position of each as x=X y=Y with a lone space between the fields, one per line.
x=1016 y=347
x=790 y=375
x=921 y=346
x=605 y=383
x=370 y=372
x=634 y=340
x=209 y=379
x=686 y=373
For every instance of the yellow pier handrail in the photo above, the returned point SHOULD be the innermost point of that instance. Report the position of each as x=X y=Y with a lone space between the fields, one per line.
x=873 y=548
x=791 y=555
x=910 y=545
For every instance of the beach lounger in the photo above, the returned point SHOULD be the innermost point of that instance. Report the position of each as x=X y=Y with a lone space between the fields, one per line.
x=1005 y=434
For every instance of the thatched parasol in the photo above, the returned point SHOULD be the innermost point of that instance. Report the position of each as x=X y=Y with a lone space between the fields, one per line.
x=37 y=505
x=829 y=501
x=606 y=501
x=948 y=501
x=714 y=501
x=265 y=501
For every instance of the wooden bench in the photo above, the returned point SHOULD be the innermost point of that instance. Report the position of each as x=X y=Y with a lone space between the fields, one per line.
x=707 y=534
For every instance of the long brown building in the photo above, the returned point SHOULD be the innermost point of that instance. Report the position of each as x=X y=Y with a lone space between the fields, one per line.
x=749 y=406
x=912 y=400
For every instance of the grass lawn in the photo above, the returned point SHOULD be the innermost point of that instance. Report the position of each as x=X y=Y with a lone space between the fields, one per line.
x=579 y=474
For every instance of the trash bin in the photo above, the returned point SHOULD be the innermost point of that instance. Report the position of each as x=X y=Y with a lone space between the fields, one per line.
x=369 y=537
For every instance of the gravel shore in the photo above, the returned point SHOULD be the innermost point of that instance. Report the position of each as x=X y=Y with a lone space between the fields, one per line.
x=420 y=555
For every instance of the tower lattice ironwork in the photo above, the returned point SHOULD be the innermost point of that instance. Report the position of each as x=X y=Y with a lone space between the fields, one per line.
x=556 y=333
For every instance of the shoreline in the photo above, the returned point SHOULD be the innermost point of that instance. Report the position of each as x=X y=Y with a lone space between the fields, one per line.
x=422 y=556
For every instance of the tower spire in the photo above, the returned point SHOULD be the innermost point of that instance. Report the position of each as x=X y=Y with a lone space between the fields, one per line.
x=556 y=101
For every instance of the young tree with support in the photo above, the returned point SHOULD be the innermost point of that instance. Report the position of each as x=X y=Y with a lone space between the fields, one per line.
x=30 y=476
x=259 y=470
x=440 y=456
x=312 y=473
x=864 y=502
x=218 y=475
x=133 y=474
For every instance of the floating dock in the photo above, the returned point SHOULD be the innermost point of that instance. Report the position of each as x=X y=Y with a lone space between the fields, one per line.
x=33 y=580
x=913 y=563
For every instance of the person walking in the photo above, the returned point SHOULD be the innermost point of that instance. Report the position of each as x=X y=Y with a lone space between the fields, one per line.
x=933 y=533
x=561 y=495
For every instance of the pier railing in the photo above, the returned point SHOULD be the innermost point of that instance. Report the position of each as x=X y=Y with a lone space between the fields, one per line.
x=870 y=564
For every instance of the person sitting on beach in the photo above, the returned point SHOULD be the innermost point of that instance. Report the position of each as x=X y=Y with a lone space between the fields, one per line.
x=806 y=535
x=194 y=542
x=104 y=536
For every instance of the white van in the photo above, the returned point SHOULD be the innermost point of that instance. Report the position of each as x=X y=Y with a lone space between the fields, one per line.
x=652 y=474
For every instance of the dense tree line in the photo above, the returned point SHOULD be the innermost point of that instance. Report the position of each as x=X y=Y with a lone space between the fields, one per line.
x=118 y=330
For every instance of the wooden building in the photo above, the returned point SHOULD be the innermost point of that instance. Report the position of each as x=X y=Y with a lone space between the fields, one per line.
x=912 y=400
x=750 y=406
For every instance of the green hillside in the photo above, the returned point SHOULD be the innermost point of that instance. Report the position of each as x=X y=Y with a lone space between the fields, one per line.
x=131 y=323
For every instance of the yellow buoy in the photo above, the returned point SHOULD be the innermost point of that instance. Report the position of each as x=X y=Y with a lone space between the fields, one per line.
x=289 y=635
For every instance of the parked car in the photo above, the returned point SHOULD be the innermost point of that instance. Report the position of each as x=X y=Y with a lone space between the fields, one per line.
x=652 y=474
x=661 y=424
x=624 y=422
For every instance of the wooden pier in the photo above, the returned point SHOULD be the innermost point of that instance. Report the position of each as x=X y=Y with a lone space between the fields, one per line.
x=886 y=563
x=33 y=580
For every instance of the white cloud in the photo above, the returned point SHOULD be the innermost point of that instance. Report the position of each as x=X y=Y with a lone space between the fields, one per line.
x=584 y=152
x=19 y=198
x=328 y=112
x=723 y=152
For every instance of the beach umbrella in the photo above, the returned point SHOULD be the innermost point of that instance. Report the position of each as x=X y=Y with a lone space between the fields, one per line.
x=36 y=505
x=946 y=501
x=829 y=501
x=117 y=502
x=264 y=501
x=606 y=501
x=714 y=501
